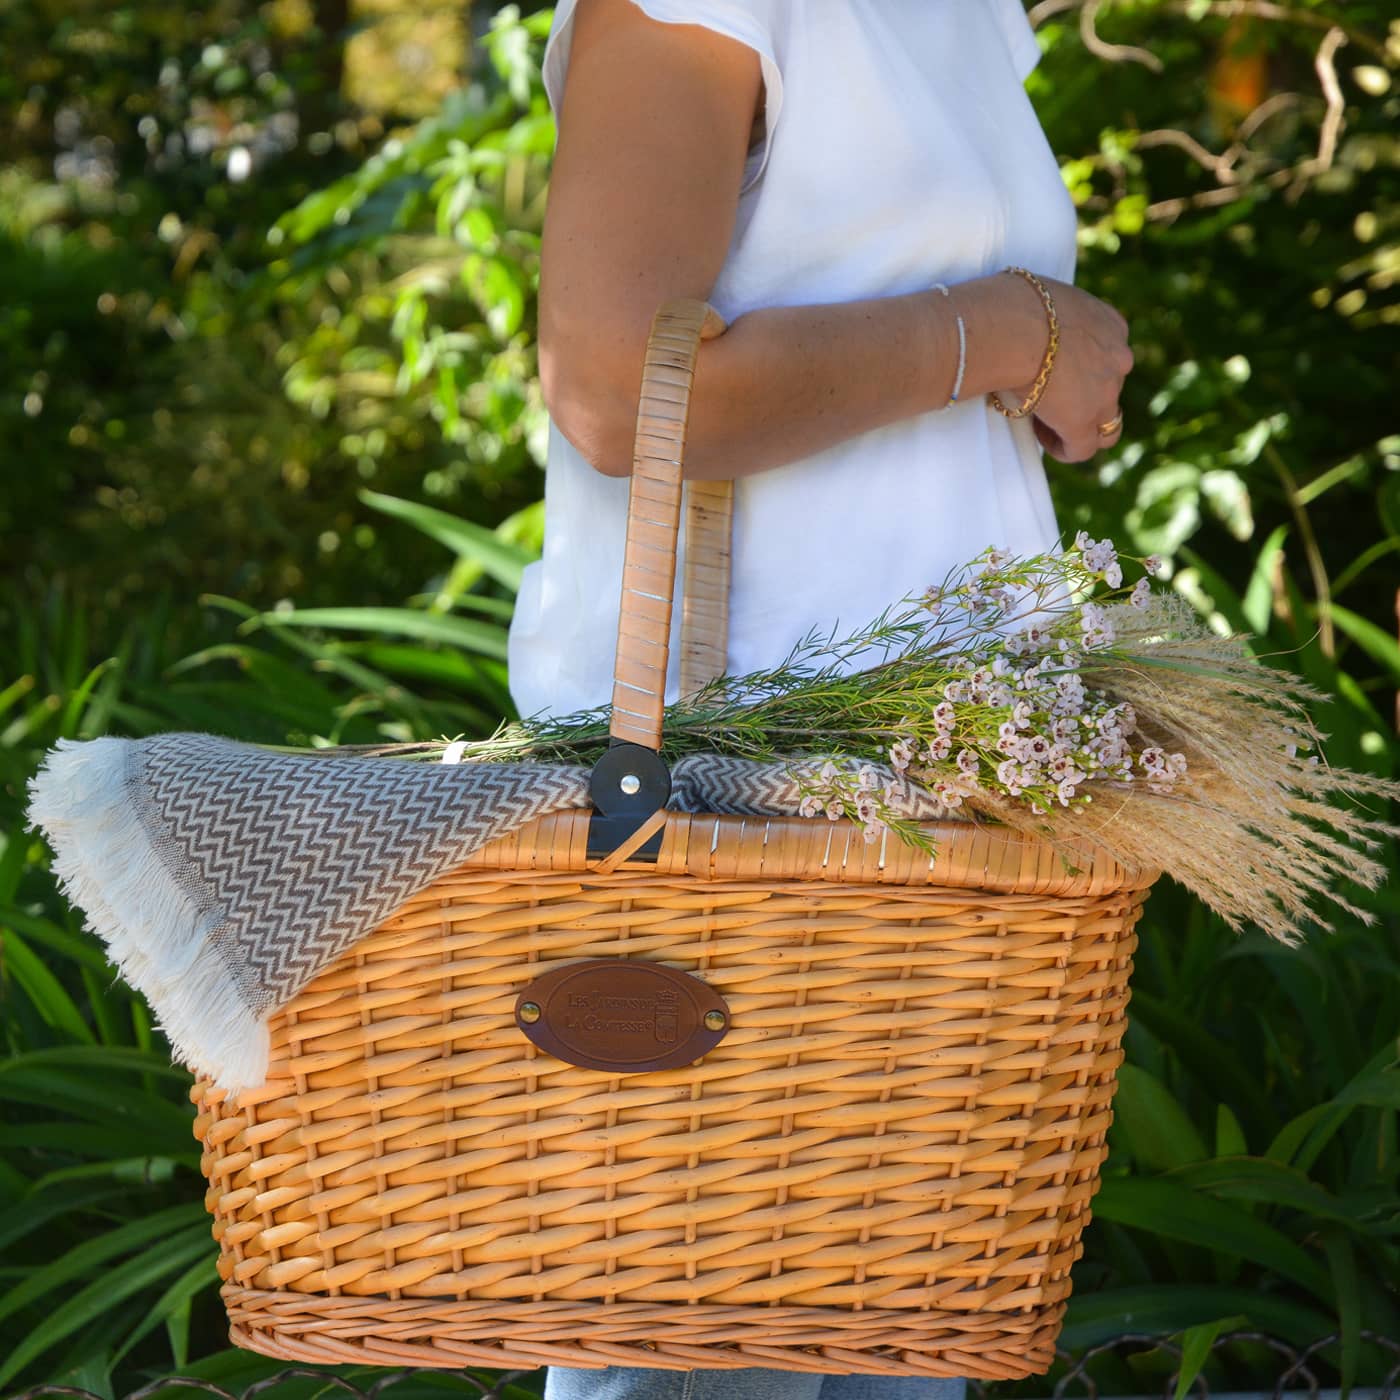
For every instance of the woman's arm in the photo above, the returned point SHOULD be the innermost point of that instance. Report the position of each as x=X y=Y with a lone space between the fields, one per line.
x=653 y=140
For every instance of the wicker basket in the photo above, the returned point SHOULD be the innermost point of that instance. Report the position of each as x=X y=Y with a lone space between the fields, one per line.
x=884 y=1166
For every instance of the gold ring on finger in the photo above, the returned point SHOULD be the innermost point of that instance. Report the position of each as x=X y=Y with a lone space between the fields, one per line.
x=1108 y=429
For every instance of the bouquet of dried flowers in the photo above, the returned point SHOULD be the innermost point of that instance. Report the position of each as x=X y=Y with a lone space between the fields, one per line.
x=1045 y=694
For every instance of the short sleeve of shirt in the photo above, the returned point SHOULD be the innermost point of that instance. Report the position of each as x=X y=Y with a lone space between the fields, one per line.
x=754 y=23
x=1020 y=37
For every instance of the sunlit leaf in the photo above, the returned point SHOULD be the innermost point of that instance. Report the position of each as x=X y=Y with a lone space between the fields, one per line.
x=1196 y=1343
x=478 y=637
x=500 y=557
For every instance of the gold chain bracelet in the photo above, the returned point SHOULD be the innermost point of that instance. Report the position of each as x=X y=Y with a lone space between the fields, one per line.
x=1043 y=378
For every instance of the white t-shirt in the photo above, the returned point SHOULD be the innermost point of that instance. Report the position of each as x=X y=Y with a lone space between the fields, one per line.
x=900 y=150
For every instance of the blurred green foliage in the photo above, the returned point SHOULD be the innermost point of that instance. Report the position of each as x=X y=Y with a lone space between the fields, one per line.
x=271 y=433
x=201 y=404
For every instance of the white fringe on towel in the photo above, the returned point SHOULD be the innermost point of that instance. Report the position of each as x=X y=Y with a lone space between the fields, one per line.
x=108 y=866
x=222 y=877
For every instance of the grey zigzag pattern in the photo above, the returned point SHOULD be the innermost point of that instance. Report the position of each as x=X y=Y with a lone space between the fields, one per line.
x=295 y=857
x=291 y=858
x=747 y=788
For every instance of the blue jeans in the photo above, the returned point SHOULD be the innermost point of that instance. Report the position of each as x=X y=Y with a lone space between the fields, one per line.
x=622 y=1383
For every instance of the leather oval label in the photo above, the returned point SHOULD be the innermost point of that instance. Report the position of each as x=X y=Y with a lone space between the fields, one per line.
x=622 y=1015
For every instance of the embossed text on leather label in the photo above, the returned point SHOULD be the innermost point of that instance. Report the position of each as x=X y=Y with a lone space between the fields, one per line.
x=623 y=1015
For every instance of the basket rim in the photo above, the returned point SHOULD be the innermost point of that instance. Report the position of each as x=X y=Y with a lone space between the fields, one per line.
x=971 y=855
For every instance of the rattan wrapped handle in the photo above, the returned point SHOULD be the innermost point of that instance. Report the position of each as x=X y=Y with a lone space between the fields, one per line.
x=653 y=524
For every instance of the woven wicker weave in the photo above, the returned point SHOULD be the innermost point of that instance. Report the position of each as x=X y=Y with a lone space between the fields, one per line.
x=885 y=1166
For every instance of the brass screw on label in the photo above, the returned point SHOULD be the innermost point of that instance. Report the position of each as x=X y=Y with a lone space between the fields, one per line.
x=714 y=1020
x=529 y=1011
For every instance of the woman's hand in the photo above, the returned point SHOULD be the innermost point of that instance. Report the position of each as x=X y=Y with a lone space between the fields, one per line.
x=1007 y=334
x=1086 y=380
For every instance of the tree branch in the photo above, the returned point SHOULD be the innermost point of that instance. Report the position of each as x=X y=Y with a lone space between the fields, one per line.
x=1221 y=166
x=1111 y=53
x=1294 y=177
x=1228 y=9
x=1325 y=64
x=1284 y=14
x=1252 y=121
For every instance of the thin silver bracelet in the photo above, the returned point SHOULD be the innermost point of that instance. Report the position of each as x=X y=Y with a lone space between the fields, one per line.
x=962 y=352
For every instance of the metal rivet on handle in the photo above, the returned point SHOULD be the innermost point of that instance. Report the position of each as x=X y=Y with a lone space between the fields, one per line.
x=631 y=784
x=714 y=1020
x=529 y=1011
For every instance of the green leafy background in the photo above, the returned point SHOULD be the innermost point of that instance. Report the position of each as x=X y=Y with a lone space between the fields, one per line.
x=270 y=448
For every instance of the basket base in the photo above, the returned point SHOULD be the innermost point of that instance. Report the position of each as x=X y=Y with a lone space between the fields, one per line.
x=450 y=1335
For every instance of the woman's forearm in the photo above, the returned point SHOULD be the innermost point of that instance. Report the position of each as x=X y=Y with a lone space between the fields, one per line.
x=783 y=383
x=786 y=382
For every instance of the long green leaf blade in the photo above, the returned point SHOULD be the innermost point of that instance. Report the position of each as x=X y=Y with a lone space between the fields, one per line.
x=202 y=1274
x=1176 y=1212
x=1378 y=645
x=505 y=562
x=44 y=990
x=1268 y=1182
x=86 y=1256
x=103 y=1293
x=1196 y=1343
x=1101 y=1316
x=1341 y=1258
x=481 y=637
x=1156 y=1127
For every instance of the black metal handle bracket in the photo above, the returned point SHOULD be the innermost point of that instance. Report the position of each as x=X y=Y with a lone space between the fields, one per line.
x=627 y=785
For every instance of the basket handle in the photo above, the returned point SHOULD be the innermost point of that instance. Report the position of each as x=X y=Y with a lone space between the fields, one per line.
x=653 y=522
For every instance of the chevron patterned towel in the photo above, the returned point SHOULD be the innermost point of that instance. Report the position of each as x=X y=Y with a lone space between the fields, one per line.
x=223 y=877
